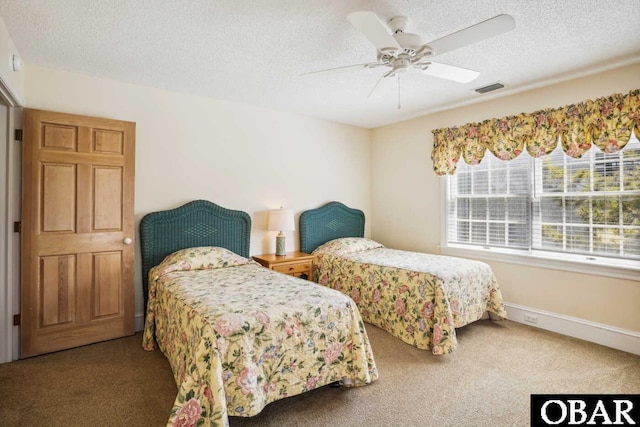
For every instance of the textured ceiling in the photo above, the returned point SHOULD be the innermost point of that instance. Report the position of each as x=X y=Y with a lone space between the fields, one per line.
x=254 y=52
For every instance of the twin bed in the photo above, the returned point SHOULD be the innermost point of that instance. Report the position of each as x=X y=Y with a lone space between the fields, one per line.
x=417 y=297
x=239 y=336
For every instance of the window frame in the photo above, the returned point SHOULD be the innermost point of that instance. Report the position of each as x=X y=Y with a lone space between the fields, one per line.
x=586 y=264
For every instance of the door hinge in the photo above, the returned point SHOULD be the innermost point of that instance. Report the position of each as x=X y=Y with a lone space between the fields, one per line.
x=17 y=227
x=16 y=319
x=17 y=134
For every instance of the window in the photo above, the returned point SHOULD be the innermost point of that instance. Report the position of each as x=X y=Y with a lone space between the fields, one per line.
x=555 y=205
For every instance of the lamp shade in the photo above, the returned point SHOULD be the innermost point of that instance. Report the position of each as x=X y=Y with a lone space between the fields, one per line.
x=281 y=220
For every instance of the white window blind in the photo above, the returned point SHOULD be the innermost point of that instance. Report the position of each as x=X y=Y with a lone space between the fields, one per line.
x=556 y=204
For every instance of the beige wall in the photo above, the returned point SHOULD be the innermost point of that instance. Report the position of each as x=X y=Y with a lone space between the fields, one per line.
x=252 y=159
x=240 y=157
x=406 y=202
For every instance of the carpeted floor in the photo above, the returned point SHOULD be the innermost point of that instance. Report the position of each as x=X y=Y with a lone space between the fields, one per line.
x=487 y=381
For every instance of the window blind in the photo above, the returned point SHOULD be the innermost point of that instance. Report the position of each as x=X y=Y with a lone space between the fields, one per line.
x=587 y=206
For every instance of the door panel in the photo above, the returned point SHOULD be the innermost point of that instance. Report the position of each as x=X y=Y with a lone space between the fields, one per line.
x=55 y=300
x=77 y=211
x=108 y=142
x=58 y=198
x=107 y=213
x=56 y=137
x=107 y=276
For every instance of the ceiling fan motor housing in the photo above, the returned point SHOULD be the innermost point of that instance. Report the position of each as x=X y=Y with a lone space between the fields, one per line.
x=409 y=42
x=398 y=24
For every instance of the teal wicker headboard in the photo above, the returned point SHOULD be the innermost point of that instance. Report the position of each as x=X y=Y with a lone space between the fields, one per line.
x=197 y=223
x=328 y=222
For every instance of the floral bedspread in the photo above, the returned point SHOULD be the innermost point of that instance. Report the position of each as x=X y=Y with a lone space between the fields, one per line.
x=417 y=297
x=239 y=336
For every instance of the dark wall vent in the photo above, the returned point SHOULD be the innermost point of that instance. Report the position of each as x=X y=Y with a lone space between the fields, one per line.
x=489 y=88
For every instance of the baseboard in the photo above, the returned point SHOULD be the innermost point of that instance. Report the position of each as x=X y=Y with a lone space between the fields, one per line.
x=598 y=333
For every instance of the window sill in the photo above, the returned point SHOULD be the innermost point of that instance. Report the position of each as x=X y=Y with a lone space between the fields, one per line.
x=598 y=267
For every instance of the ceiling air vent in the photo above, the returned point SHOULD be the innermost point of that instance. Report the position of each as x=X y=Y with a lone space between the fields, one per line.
x=489 y=88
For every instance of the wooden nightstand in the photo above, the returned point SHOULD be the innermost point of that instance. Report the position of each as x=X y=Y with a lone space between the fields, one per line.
x=292 y=263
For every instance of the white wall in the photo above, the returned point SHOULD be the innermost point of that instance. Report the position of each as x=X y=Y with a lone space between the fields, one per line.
x=406 y=202
x=240 y=157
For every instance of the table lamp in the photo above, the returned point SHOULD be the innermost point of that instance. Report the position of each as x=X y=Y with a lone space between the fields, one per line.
x=281 y=220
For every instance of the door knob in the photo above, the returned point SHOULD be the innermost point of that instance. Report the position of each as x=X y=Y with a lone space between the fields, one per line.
x=127 y=241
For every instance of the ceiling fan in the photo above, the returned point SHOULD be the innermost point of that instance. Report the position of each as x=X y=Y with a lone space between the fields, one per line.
x=399 y=51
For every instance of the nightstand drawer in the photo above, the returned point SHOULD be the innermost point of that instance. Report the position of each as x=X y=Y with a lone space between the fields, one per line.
x=296 y=268
x=296 y=264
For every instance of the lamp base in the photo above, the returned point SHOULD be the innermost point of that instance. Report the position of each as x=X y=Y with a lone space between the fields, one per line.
x=280 y=245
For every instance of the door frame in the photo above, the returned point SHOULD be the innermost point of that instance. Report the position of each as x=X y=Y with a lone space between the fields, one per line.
x=10 y=195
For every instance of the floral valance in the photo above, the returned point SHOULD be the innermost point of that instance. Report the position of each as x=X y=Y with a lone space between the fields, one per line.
x=606 y=122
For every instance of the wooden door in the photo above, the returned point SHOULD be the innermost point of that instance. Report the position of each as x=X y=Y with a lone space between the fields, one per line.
x=77 y=256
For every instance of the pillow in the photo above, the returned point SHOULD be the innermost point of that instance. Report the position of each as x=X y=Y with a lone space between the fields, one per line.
x=346 y=245
x=199 y=258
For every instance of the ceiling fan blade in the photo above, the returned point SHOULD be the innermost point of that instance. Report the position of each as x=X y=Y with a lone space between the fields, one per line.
x=475 y=33
x=373 y=29
x=344 y=68
x=449 y=72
